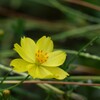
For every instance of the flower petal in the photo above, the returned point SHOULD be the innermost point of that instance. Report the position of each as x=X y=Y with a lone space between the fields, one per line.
x=45 y=44
x=39 y=72
x=26 y=50
x=19 y=65
x=57 y=72
x=55 y=59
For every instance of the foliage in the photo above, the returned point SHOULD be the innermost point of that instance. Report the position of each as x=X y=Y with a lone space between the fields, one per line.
x=74 y=26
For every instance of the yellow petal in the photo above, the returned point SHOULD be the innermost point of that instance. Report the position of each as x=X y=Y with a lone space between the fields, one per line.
x=26 y=50
x=55 y=59
x=45 y=44
x=57 y=72
x=19 y=65
x=39 y=72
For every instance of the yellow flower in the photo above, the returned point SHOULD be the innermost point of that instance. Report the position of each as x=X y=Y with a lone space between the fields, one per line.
x=38 y=59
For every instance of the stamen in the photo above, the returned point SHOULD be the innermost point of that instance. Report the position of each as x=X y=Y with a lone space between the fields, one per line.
x=41 y=56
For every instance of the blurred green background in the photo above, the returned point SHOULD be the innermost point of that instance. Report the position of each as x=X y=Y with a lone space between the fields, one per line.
x=71 y=24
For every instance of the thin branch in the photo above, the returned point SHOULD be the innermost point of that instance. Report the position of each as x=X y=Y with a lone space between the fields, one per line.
x=84 y=47
x=74 y=78
x=84 y=54
x=52 y=82
x=85 y=78
x=76 y=32
x=31 y=21
x=18 y=83
x=85 y=4
x=3 y=67
x=86 y=70
x=5 y=77
x=12 y=13
x=68 y=10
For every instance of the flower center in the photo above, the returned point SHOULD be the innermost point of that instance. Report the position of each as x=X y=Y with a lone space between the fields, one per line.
x=41 y=56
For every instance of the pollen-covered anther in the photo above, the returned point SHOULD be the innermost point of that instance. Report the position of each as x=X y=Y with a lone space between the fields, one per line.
x=41 y=56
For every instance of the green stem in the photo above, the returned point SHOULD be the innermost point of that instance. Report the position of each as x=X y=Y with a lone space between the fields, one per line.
x=14 y=78
x=75 y=96
x=84 y=78
x=25 y=75
x=69 y=11
x=16 y=84
x=84 y=47
x=9 y=69
x=49 y=87
x=74 y=78
x=86 y=55
x=4 y=78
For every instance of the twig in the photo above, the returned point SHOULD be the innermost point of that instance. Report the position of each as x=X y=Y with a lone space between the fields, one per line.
x=4 y=78
x=83 y=54
x=12 y=13
x=18 y=83
x=9 y=69
x=76 y=32
x=84 y=47
x=85 y=4
x=31 y=22
x=74 y=78
x=53 y=82
x=85 y=78
x=68 y=10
